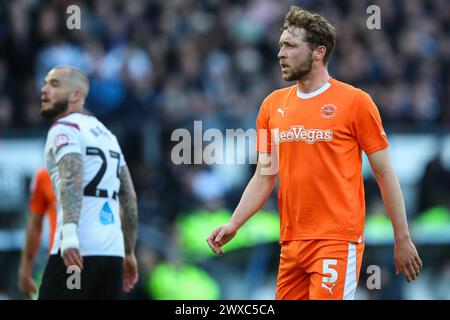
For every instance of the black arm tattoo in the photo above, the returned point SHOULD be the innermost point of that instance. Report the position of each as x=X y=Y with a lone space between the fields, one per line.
x=128 y=201
x=71 y=188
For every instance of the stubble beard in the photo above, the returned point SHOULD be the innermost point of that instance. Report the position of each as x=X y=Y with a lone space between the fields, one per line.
x=300 y=72
x=58 y=108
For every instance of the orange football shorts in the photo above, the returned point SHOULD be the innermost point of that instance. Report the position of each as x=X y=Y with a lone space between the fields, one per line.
x=319 y=269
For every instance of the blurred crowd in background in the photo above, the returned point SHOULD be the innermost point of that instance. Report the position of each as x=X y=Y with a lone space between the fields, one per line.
x=159 y=65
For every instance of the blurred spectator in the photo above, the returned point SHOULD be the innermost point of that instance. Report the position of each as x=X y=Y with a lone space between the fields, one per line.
x=434 y=187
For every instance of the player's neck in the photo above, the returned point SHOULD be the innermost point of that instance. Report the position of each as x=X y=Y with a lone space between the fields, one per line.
x=314 y=80
x=71 y=109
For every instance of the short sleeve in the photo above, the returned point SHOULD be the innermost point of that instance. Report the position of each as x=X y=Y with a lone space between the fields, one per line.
x=368 y=126
x=263 y=134
x=64 y=139
x=122 y=162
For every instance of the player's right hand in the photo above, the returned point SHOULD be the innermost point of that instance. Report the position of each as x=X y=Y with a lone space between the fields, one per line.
x=72 y=257
x=27 y=285
x=220 y=236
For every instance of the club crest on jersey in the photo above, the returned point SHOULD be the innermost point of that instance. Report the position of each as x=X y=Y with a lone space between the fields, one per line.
x=328 y=111
x=300 y=133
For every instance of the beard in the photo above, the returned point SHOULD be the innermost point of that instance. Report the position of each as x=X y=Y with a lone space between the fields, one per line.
x=57 y=109
x=299 y=72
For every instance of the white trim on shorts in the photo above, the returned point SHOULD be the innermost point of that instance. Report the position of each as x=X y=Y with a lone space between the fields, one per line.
x=350 y=276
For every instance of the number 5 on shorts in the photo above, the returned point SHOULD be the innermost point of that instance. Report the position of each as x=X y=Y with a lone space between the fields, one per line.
x=327 y=269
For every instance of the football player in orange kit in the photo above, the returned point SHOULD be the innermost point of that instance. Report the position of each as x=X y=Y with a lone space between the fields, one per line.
x=42 y=201
x=311 y=135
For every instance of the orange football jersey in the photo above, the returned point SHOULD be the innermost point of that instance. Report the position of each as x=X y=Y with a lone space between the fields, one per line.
x=318 y=140
x=43 y=200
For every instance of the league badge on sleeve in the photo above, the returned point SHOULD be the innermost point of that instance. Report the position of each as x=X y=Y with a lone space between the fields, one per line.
x=61 y=140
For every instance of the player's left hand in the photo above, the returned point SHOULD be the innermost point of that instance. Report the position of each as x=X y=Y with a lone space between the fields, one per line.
x=71 y=256
x=407 y=259
x=131 y=273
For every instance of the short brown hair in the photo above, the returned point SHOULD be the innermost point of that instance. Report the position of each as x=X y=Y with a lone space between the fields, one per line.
x=318 y=31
